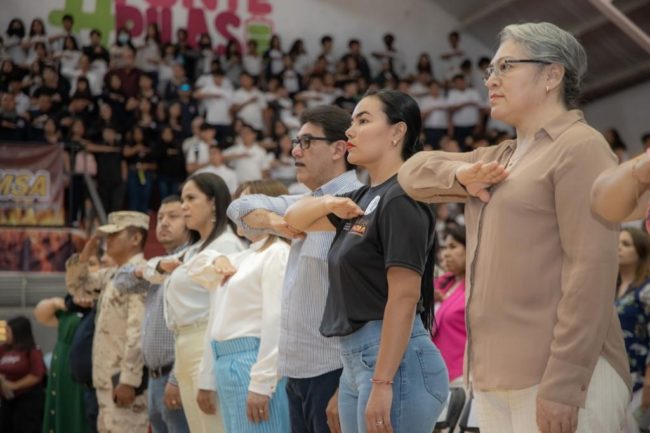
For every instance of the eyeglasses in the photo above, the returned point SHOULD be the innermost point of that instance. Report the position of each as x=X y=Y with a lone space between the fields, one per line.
x=304 y=141
x=504 y=65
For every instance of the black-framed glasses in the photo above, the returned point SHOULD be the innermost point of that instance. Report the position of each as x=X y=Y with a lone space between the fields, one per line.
x=504 y=65
x=304 y=141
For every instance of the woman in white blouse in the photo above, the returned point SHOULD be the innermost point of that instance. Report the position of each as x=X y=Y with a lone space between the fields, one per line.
x=244 y=328
x=205 y=198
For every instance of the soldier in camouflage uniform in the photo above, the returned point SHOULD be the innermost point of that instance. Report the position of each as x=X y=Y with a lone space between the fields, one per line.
x=117 y=357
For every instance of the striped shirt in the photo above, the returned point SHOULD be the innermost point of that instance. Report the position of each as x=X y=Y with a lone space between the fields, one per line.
x=157 y=340
x=303 y=351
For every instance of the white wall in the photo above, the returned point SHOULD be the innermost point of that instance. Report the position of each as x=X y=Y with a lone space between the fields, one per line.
x=418 y=25
x=628 y=111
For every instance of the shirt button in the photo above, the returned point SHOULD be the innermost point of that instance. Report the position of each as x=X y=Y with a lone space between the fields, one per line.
x=53 y=392
x=52 y=412
x=53 y=374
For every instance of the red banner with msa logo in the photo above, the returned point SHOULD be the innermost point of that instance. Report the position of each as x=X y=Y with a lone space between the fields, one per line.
x=32 y=184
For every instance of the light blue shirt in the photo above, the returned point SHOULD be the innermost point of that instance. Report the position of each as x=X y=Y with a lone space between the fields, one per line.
x=303 y=351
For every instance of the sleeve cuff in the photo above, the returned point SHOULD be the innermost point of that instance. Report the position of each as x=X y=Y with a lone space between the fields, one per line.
x=201 y=271
x=172 y=378
x=207 y=382
x=262 y=388
x=565 y=383
x=130 y=378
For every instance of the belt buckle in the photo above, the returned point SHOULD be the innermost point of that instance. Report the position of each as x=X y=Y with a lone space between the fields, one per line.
x=155 y=373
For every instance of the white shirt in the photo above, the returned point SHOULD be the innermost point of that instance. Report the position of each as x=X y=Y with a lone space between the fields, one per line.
x=252 y=64
x=229 y=176
x=437 y=119
x=316 y=98
x=251 y=113
x=186 y=302
x=291 y=80
x=16 y=52
x=196 y=151
x=466 y=116
x=276 y=60
x=69 y=61
x=148 y=56
x=217 y=106
x=248 y=305
x=250 y=167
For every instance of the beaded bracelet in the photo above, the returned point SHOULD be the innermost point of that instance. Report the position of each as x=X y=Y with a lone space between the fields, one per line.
x=381 y=381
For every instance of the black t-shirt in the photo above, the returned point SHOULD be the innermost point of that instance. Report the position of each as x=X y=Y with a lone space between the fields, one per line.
x=109 y=166
x=394 y=231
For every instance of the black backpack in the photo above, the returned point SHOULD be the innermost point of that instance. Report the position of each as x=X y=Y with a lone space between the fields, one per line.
x=81 y=350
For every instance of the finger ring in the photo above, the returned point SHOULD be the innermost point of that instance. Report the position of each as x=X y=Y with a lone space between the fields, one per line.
x=261 y=410
x=380 y=422
x=174 y=402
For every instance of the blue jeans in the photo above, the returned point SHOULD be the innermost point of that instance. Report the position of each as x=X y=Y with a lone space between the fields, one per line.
x=420 y=387
x=163 y=420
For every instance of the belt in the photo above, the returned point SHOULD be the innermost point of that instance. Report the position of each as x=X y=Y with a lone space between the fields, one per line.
x=156 y=373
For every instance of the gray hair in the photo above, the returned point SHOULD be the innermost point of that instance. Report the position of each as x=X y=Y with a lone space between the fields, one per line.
x=546 y=41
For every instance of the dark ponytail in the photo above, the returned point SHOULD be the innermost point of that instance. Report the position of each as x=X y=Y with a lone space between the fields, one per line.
x=400 y=107
x=426 y=286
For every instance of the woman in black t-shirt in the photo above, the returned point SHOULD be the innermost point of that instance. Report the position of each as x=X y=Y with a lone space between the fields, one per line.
x=380 y=270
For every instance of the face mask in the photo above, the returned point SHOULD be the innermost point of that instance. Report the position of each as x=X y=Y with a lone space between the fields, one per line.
x=123 y=38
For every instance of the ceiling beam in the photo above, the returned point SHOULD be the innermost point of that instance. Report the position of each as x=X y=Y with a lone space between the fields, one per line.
x=623 y=22
x=483 y=12
x=600 y=20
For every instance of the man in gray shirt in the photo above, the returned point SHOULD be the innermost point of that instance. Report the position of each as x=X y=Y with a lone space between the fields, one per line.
x=164 y=401
x=311 y=362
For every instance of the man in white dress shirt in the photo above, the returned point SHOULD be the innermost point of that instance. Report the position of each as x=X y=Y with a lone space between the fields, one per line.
x=311 y=362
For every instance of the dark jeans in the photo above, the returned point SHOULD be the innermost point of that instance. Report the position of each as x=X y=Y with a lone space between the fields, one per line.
x=308 y=400
x=92 y=408
x=23 y=413
x=78 y=194
x=168 y=186
x=139 y=192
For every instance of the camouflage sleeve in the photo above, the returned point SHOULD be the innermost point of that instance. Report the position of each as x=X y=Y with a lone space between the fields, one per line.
x=81 y=282
x=132 y=361
x=126 y=282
